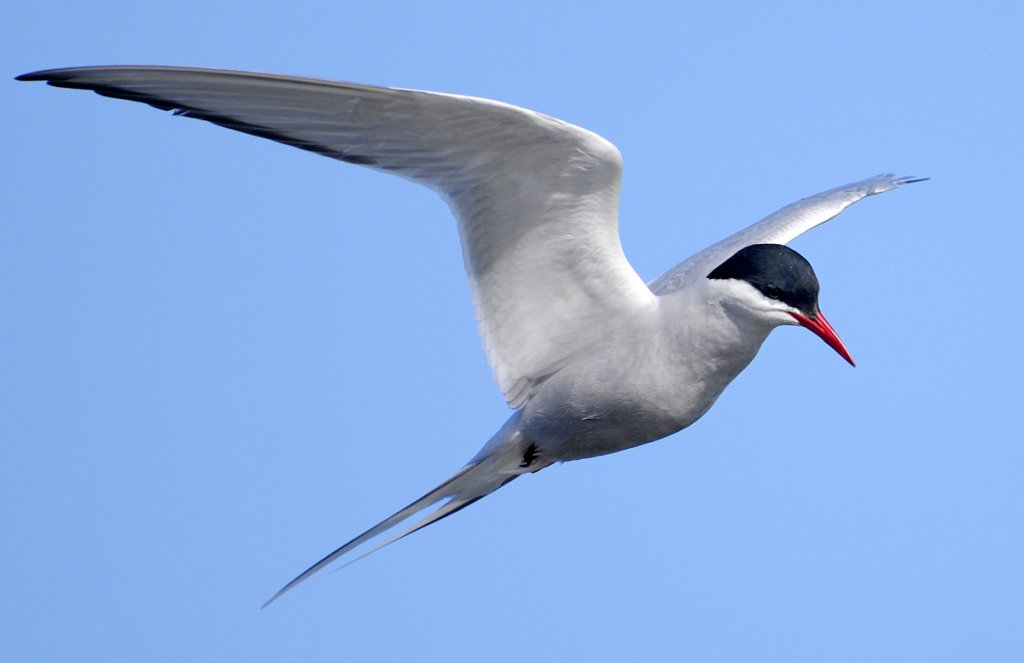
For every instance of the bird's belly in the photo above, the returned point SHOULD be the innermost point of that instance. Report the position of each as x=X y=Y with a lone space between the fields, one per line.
x=577 y=417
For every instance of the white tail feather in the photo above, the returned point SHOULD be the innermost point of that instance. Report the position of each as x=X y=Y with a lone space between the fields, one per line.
x=450 y=507
x=498 y=462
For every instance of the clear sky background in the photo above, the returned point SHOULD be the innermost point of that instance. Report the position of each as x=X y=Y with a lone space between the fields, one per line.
x=223 y=357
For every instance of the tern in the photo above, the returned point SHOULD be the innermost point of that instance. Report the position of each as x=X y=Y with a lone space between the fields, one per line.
x=591 y=359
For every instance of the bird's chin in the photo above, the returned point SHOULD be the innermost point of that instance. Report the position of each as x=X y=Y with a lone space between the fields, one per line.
x=821 y=327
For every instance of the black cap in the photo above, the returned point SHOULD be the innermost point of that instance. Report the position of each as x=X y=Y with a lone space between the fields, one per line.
x=777 y=271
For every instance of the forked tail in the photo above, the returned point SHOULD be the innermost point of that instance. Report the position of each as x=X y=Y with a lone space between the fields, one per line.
x=499 y=462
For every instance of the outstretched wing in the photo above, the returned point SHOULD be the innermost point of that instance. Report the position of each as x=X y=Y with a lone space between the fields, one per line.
x=779 y=228
x=536 y=198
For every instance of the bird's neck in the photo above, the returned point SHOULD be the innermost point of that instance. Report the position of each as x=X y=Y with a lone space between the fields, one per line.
x=711 y=339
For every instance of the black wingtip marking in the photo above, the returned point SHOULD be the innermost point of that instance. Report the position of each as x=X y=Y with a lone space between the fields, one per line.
x=358 y=159
x=184 y=110
x=41 y=75
x=102 y=90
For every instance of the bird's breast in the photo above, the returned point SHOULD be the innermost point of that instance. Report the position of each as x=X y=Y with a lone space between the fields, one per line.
x=640 y=387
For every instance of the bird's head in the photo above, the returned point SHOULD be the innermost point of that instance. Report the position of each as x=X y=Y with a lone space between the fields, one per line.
x=778 y=286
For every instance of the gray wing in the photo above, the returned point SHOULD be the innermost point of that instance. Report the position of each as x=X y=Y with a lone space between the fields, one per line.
x=779 y=228
x=536 y=198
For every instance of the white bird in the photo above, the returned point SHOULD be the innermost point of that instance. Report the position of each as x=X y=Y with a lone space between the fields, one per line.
x=591 y=358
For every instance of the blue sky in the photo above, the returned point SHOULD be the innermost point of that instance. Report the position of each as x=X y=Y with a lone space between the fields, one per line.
x=223 y=357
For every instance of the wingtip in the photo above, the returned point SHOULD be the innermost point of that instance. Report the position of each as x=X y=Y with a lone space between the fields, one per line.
x=49 y=75
x=54 y=77
x=888 y=182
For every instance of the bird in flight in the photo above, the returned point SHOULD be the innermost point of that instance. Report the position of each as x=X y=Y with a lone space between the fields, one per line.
x=591 y=359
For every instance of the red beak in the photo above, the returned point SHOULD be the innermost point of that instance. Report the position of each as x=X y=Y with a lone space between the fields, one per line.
x=819 y=325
